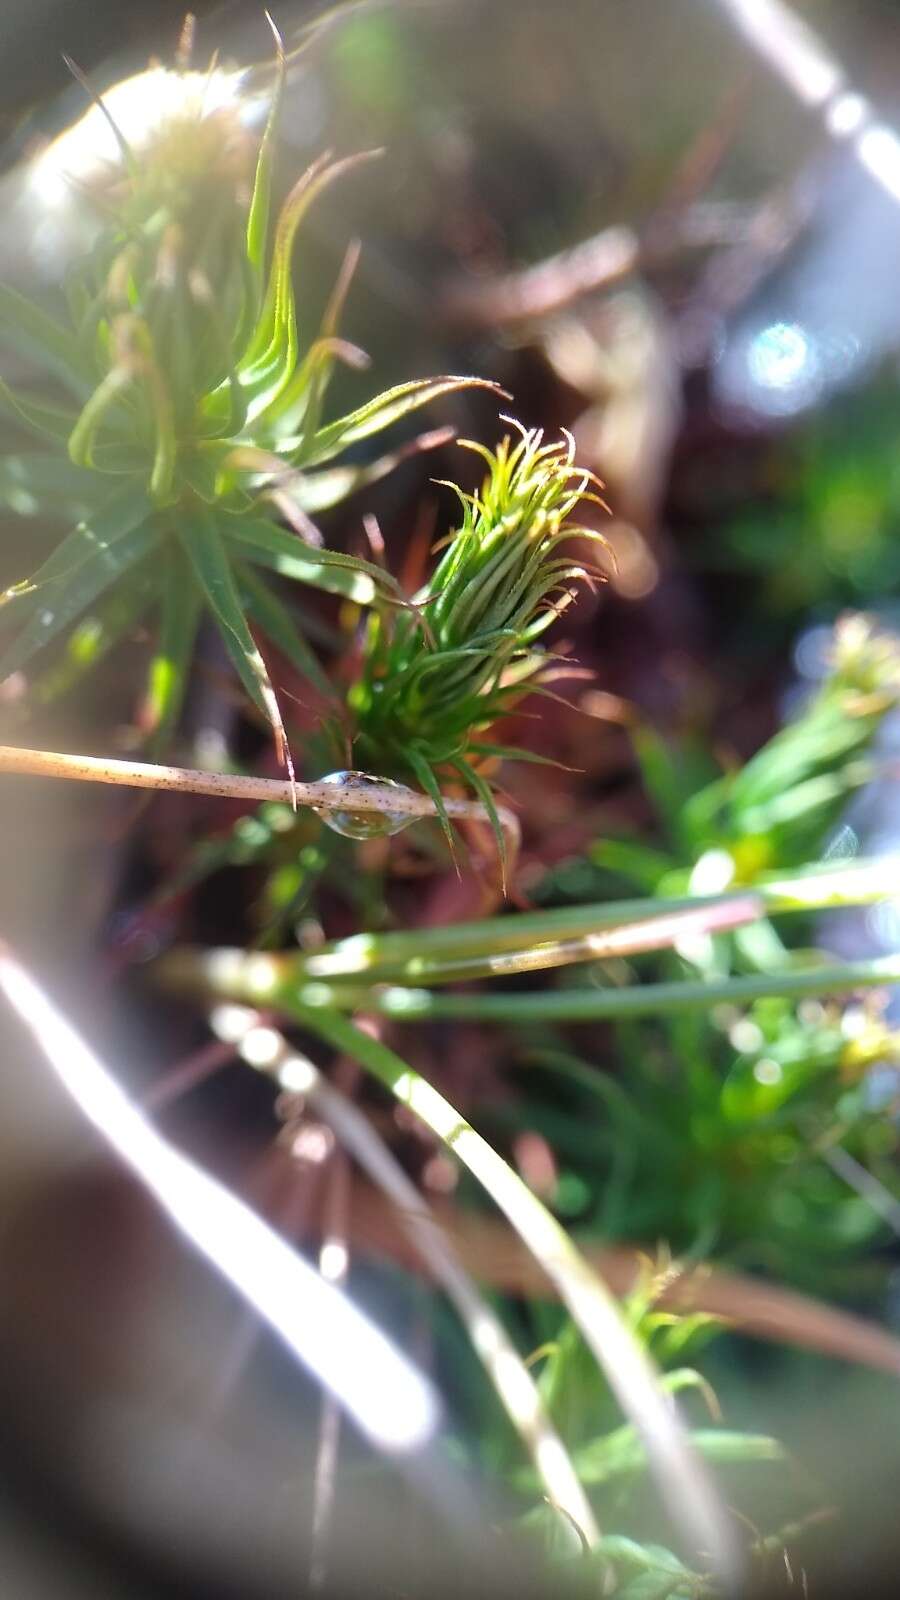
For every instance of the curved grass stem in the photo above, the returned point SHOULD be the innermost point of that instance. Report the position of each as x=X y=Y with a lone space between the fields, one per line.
x=264 y=1048
x=258 y=980
x=685 y=1487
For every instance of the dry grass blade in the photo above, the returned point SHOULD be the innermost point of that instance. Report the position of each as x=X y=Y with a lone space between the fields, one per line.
x=367 y=797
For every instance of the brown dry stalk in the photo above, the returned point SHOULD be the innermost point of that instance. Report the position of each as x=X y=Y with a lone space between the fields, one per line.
x=372 y=797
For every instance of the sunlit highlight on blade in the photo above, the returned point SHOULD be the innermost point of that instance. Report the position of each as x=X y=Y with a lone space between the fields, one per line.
x=388 y=1398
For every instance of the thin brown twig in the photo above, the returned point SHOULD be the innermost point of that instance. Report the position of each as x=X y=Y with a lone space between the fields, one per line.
x=598 y=263
x=363 y=795
x=188 y=1074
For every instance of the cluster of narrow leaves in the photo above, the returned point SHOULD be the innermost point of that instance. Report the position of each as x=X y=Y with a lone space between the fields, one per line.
x=608 y=1454
x=776 y=811
x=439 y=673
x=746 y=1157
x=194 y=425
x=733 y=1134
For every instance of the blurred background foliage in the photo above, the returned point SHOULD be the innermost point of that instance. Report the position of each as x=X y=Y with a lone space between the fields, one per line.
x=724 y=348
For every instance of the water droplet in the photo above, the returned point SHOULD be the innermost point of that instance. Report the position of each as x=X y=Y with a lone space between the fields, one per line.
x=46 y=619
x=363 y=824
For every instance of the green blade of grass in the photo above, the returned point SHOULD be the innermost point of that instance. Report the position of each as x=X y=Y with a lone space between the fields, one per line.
x=207 y=553
x=260 y=200
x=380 y=412
x=319 y=491
x=484 y=794
x=282 y=628
x=271 y=357
x=269 y=545
x=121 y=512
x=596 y=1005
x=509 y=752
x=629 y=938
x=432 y=788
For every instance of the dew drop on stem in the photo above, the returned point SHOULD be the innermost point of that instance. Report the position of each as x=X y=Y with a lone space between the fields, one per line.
x=355 y=824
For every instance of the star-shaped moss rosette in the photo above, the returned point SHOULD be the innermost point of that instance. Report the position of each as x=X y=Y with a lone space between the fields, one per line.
x=195 y=421
x=440 y=673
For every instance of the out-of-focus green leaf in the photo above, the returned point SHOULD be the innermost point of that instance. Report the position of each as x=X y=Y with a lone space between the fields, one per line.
x=664 y=775
x=650 y=1572
x=639 y=863
x=97 y=633
x=42 y=418
x=169 y=668
x=43 y=484
x=97 y=553
x=24 y=324
x=621 y=1452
